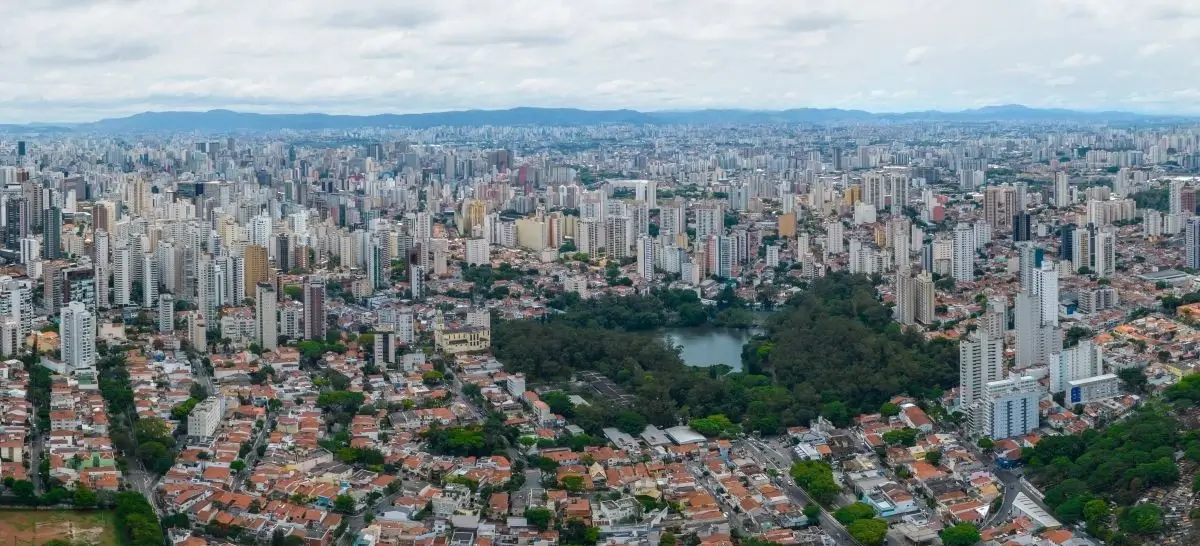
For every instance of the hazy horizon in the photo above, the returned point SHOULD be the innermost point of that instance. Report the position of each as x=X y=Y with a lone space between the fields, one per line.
x=111 y=58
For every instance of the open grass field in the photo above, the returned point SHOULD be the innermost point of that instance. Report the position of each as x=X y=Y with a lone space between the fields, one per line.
x=36 y=527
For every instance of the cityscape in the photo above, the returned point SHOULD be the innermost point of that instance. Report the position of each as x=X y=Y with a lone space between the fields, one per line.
x=629 y=332
x=559 y=273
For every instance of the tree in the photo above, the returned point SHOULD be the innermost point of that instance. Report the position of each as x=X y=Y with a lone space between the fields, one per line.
x=667 y=538
x=237 y=465
x=1134 y=380
x=889 y=409
x=573 y=484
x=869 y=532
x=345 y=504
x=23 y=489
x=84 y=497
x=854 y=512
x=933 y=457
x=577 y=534
x=1097 y=512
x=963 y=534
x=816 y=477
x=986 y=443
x=813 y=513
x=1143 y=519
x=713 y=425
x=539 y=517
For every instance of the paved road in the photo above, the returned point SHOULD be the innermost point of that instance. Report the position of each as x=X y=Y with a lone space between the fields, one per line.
x=356 y=522
x=35 y=458
x=831 y=526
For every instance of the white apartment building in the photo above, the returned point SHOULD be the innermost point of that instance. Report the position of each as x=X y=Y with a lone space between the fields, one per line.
x=205 y=418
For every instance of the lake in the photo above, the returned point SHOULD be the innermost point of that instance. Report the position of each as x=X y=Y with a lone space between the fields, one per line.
x=706 y=346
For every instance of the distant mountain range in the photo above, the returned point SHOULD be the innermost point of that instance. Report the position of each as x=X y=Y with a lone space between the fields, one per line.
x=226 y=120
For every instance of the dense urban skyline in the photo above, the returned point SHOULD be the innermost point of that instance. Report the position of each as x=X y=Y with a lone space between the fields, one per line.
x=406 y=57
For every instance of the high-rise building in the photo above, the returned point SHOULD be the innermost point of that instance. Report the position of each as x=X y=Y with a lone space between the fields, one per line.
x=1062 y=189
x=963 y=261
x=1045 y=288
x=926 y=295
x=835 y=239
x=166 y=313
x=16 y=226
x=980 y=361
x=645 y=257
x=150 y=280
x=1029 y=258
x=1066 y=243
x=265 y=316
x=1008 y=408
x=1022 y=227
x=1191 y=242
x=905 y=311
x=999 y=206
x=478 y=252
x=386 y=346
x=77 y=334
x=255 y=265
x=1079 y=362
x=52 y=233
x=122 y=276
x=314 y=308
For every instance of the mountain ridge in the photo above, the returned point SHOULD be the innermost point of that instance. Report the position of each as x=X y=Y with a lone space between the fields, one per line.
x=229 y=120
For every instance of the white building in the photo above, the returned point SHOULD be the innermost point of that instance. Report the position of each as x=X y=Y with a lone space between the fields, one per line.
x=963 y=262
x=166 y=313
x=265 y=316
x=77 y=334
x=980 y=361
x=478 y=252
x=1078 y=362
x=1009 y=408
x=205 y=418
x=1088 y=389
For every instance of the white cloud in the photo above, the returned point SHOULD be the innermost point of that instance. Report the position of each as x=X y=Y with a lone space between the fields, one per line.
x=68 y=60
x=916 y=54
x=1153 y=48
x=1079 y=60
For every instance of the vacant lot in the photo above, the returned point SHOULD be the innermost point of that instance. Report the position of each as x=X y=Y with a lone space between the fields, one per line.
x=33 y=527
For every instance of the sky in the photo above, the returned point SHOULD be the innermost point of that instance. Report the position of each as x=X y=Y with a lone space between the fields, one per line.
x=82 y=60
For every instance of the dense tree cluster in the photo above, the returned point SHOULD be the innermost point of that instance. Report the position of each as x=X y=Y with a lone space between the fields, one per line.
x=833 y=351
x=136 y=521
x=816 y=477
x=470 y=440
x=1154 y=198
x=1082 y=473
x=836 y=342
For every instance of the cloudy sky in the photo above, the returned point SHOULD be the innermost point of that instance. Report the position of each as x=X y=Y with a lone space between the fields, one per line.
x=79 y=60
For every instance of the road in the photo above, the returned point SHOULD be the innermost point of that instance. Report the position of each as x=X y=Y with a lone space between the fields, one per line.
x=36 y=444
x=356 y=522
x=831 y=526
